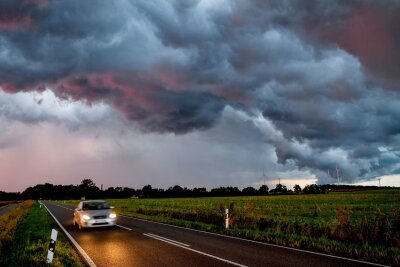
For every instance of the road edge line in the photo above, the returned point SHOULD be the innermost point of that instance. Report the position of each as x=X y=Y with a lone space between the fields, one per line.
x=80 y=250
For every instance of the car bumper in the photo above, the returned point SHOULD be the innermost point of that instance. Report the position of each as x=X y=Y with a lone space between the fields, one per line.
x=98 y=223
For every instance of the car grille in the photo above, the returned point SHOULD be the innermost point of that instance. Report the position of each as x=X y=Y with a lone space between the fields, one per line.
x=100 y=217
x=100 y=223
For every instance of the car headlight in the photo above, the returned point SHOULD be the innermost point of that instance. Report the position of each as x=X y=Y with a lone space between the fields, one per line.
x=86 y=217
x=112 y=215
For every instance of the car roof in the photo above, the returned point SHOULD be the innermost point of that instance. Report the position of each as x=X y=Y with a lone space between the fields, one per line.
x=89 y=201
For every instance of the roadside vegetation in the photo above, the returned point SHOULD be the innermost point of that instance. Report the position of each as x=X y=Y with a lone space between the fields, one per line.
x=25 y=235
x=8 y=224
x=363 y=225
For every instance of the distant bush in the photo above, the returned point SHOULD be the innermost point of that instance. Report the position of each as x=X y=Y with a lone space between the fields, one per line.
x=314 y=189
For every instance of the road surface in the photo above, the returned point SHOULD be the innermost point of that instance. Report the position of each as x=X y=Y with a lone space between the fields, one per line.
x=143 y=243
x=8 y=208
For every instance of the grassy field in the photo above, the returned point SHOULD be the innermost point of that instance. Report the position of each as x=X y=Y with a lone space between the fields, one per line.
x=25 y=235
x=363 y=224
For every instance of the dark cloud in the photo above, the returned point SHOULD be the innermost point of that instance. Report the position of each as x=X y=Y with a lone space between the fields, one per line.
x=364 y=151
x=19 y=15
x=324 y=74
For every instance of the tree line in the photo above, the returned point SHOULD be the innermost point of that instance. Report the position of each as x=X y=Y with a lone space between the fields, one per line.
x=88 y=189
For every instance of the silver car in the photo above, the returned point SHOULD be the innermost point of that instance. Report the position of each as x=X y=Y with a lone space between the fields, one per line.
x=94 y=213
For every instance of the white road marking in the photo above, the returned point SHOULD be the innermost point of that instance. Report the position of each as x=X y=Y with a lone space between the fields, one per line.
x=61 y=206
x=126 y=228
x=167 y=239
x=85 y=256
x=197 y=251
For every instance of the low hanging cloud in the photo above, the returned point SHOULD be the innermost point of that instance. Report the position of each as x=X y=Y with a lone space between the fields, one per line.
x=323 y=75
x=37 y=107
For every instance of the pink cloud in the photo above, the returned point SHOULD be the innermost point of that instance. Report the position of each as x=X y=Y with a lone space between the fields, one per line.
x=14 y=23
x=129 y=92
x=20 y=15
x=370 y=34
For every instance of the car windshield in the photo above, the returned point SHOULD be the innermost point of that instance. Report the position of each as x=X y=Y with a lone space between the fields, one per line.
x=95 y=206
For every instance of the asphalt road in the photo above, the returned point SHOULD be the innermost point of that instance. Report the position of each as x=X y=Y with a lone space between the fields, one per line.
x=142 y=243
x=8 y=208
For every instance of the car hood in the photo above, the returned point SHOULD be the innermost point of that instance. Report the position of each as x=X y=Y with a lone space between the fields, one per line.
x=97 y=212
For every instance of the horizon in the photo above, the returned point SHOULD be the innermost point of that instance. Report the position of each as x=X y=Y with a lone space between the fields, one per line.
x=199 y=93
x=270 y=184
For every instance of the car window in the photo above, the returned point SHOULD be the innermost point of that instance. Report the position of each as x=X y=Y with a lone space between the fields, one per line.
x=95 y=206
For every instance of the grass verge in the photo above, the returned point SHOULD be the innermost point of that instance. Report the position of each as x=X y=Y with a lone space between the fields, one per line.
x=28 y=244
x=8 y=224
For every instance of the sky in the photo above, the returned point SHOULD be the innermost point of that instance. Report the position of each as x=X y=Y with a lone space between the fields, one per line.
x=199 y=93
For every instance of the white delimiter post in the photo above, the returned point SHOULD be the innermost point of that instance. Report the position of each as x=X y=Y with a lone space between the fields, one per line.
x=52 y=246
x=227 y=219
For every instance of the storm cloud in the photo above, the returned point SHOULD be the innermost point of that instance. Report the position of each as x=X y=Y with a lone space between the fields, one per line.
x=318 y=79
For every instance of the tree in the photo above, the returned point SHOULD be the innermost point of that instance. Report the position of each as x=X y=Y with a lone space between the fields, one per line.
x=201 y=191
x=87 y=183
x=225 y=191
x=176 y=191
x=297 y=188
x=147 y=191
x=313 y=189
x=249 y=191
x=280 y=188
x=89 y=189
x=263 y=190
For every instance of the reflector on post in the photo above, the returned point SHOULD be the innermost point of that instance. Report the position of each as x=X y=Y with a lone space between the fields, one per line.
x=227 y=219
x=52 y=246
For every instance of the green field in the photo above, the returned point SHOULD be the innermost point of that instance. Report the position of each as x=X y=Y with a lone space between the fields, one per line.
x=362 y=224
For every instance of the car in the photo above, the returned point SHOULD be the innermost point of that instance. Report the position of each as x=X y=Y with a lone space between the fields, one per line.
x=94 y=213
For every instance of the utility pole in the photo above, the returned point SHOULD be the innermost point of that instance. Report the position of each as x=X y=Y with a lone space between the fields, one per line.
x=264 y=175
x=337 y=175
x=379 y=179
